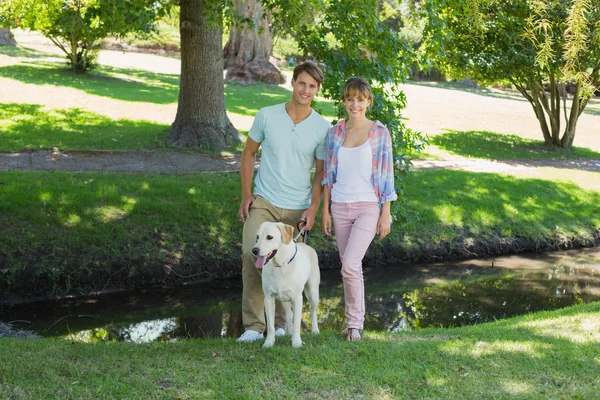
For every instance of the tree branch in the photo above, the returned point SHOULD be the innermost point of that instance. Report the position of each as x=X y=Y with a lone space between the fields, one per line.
x=58 y=44
x=522 y=89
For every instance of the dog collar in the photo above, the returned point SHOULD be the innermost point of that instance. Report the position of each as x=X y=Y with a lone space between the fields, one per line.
x=295 y=252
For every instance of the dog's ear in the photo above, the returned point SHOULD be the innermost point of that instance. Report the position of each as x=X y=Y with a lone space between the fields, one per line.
x=287 y=232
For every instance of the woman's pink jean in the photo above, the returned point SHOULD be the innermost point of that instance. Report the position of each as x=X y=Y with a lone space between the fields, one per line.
x=355 y=226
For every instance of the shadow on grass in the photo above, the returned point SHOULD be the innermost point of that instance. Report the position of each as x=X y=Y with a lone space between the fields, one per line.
x=82 y=231
x=129 y=84
x=248 y=99
x=29 y=126
x=498 y=146
x=125 y=84
x=595 y=111
x=452 y=205
x=25 y=52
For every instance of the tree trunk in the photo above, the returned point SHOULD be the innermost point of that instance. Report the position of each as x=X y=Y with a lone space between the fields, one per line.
x=6 y=37
x=538 y=108
x=201 y=120
x=542 y=106
x=569 y=134
x=247 y=52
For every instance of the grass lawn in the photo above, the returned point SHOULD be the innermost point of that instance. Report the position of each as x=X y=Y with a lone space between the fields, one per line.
x=86 y=231
x=542 y=355
x=496 y=146
x=31 y=126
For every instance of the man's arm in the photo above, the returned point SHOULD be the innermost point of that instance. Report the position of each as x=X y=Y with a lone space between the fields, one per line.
x=310 y=214
x=246 y=173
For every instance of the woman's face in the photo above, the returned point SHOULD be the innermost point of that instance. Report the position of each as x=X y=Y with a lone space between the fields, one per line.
x=356 y=105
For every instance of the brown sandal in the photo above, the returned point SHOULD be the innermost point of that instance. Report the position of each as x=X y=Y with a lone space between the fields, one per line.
x=353 y=335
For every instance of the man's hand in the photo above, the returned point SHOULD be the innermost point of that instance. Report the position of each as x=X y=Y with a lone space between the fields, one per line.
x=244 y=211
x=309 y=217
x=326 y=222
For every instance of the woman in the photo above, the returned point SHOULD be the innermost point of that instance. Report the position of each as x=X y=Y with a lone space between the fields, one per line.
x=358 y=190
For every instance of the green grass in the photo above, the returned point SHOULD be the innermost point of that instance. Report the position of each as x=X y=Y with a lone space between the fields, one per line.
x=492 y=145
x=454 y=205
x=137 y=85
x=167 y=38
x=284 y=47
x=29 y=126
x=127 y=84
x=543 y=355
x=66 y=231
x=24 y=52
x=248 y=99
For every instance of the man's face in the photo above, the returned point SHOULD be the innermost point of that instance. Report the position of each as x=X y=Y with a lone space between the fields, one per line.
x=305 y=87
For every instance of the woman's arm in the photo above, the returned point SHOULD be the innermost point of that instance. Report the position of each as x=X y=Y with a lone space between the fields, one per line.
x=384 y=224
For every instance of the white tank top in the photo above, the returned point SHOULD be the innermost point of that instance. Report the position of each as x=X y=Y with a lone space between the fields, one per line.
x=353 y=182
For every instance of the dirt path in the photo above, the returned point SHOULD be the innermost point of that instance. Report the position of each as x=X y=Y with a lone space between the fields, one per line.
x=172 y=162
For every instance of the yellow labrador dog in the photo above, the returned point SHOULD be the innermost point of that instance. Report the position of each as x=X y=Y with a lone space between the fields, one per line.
x=287 y=269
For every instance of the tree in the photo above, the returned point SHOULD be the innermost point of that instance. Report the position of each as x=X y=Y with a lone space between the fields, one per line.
x=350 y=39
x=249 y=47
x=6 y=37
x=201 y=120
x=7 y=21
x=78 y=26
x=542 y=47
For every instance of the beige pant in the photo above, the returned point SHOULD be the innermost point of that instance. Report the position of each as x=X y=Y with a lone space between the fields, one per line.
x=253 y=306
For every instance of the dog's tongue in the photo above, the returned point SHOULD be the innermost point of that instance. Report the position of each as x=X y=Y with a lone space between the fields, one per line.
x=260 y=262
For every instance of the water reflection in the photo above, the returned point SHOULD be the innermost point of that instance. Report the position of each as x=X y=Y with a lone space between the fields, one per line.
x=415 y=297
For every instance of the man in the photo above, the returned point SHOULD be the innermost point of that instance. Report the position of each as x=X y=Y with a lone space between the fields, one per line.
x=292 y=136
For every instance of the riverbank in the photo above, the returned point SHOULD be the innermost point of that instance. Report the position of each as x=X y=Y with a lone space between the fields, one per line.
x=82 y=233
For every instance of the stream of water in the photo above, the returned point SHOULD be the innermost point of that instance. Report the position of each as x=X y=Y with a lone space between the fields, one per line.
x=397 y=298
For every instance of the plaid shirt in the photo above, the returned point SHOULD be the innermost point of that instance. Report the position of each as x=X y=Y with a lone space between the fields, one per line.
x=382 y=176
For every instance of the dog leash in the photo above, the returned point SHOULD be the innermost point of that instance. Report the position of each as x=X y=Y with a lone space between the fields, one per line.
x=302 y=232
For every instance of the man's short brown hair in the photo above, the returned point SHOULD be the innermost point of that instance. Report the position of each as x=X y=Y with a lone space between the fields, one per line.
x=311 y=68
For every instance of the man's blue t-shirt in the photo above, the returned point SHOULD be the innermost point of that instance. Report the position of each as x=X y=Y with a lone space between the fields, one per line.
x=288 y=155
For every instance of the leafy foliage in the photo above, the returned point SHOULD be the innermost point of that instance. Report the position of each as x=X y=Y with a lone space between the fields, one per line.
x=350 y=39
x=77 y=26
x=543 y=47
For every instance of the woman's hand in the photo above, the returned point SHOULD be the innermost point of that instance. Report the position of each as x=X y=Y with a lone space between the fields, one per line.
x=326 y=222
x=384 y=224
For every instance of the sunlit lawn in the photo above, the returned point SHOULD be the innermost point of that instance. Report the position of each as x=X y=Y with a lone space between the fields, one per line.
x=543 y=355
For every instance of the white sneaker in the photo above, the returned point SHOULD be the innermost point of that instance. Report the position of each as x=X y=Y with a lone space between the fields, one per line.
x=279 y=332
x=250 y=336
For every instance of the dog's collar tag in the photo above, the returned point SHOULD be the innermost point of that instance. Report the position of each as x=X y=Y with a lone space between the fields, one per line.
x=295 y=252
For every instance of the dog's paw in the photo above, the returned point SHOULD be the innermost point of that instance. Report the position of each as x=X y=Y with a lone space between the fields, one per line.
x=314 y=330
x=296 y=343
x=268 y=343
